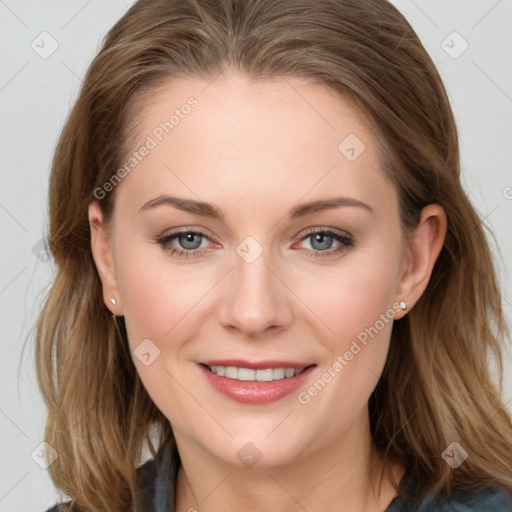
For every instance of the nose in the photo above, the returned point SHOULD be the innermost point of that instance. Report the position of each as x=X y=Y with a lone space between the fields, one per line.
x=256 y=298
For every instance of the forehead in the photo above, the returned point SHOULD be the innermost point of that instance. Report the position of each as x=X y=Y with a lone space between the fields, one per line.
x=232 y=138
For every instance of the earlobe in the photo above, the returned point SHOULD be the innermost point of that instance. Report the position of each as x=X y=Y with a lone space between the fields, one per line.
x=102 y=254
x=423 y=247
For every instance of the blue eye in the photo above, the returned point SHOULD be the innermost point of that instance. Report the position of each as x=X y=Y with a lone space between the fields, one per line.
x=188 y=240
x=189 y=243
x=321 y=241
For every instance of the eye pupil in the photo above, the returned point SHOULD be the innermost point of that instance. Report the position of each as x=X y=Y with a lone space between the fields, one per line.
x=187 y=241
x=324 y=240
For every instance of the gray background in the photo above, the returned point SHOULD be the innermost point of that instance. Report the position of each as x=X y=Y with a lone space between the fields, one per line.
x=36 y=94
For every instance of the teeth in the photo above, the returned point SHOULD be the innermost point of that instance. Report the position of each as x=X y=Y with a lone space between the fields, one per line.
x=289 y=372
x=249 y=374
x=246 y=374
x=266 y=375
x=231 y=372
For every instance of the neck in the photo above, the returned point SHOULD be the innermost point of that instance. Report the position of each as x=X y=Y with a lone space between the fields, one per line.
x=345 y=472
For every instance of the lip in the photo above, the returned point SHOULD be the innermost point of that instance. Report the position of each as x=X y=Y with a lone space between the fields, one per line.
x=259 y=365
x=254 y=392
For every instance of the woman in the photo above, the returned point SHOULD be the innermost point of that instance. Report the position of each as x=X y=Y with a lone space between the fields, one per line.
x=268 y=272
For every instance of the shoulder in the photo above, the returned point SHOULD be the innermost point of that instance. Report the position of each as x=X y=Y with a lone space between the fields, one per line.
x=484 y=500
x=156 y=480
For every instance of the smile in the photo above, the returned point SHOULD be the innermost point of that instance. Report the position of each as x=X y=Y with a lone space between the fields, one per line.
x=250 y=374
x=255 y=383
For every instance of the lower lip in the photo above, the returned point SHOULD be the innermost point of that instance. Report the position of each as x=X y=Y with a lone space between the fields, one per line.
x=254 y=392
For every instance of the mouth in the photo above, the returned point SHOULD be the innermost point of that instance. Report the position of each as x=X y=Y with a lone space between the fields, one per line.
x=255 y=383
x=255 y=375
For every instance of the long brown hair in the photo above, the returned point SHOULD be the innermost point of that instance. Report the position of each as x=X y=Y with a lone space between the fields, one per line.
x=436 y=387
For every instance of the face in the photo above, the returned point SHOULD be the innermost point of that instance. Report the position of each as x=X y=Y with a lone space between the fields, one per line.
x=265 y=282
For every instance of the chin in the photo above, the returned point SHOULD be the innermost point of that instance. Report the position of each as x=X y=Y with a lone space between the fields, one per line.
x=259 y=451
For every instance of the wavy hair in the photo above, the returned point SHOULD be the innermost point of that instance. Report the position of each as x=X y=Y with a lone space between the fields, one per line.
x=436 y=386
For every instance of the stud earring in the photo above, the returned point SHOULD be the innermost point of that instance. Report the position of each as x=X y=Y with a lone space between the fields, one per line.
x=113 y=301
x=403 y=305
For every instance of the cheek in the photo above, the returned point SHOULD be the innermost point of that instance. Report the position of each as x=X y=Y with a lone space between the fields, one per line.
x=353 y=297
x=159 y=303
x=157 y=295
x=355 y=302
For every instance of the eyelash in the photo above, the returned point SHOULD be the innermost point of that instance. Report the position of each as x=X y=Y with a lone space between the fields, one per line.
x=346 y=240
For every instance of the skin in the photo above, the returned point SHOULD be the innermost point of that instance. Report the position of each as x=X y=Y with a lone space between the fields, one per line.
x=255 y=150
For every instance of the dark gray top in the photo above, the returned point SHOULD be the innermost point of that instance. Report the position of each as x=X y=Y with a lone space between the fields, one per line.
x=157 y=478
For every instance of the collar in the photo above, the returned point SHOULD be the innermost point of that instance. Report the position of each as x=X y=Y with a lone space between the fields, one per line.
x=156 y=480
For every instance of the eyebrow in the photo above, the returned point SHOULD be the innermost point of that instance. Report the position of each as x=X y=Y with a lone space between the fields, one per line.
x=209 y=210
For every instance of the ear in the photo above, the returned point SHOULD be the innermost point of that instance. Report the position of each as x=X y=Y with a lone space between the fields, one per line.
x=422 y=249
x=102 y=254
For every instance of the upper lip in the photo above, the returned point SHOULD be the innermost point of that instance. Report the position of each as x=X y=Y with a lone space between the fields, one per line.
x=256 y=365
